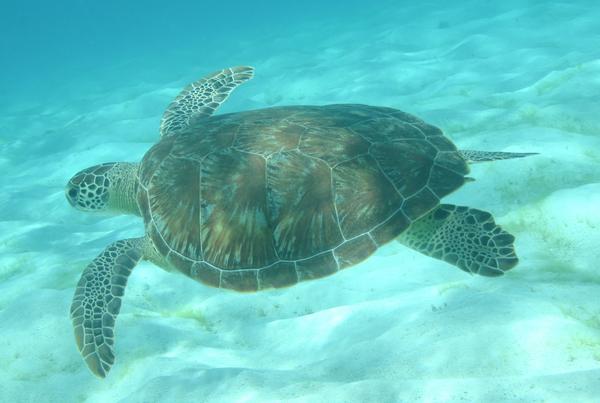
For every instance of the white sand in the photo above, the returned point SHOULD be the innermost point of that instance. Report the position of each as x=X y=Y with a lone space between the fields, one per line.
x=401 y=326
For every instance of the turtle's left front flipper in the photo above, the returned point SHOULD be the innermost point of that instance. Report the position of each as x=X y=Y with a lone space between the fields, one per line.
x=465 y=237
x=201 y=98
x=97 y=302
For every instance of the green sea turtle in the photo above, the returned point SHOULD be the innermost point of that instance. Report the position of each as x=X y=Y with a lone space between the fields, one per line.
x=268 y=198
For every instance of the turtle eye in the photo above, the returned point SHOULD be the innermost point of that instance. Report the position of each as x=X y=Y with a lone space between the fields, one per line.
x=72 y=194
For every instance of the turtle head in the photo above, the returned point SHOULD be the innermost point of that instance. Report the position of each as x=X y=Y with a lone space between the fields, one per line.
x=108 y=187
x=89 y=190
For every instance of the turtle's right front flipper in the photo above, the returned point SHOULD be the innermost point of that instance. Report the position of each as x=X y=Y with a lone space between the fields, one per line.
x=97 y=302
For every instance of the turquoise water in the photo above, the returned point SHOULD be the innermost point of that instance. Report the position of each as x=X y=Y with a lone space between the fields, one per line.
x=87 y=83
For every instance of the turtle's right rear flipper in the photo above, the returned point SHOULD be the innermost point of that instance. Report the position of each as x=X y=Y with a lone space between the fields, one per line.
x=473 y=156
x=464 y=237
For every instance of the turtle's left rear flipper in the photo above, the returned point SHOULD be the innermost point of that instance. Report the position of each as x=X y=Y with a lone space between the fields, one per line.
x=465 y=237
x=97 y=302
x=473 y=156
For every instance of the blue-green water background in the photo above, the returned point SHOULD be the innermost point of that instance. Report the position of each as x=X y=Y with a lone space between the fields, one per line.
x=45 y=43
x=86 y=82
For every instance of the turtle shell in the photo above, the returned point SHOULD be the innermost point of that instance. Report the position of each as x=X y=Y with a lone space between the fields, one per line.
x=268 y=198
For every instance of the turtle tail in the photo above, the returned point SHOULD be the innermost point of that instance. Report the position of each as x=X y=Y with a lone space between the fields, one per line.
x=472 y=156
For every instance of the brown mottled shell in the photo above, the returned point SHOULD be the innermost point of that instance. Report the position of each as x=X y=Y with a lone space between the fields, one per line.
x=271 y=197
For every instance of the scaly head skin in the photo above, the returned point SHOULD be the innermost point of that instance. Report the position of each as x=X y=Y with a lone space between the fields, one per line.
x=109 y=187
